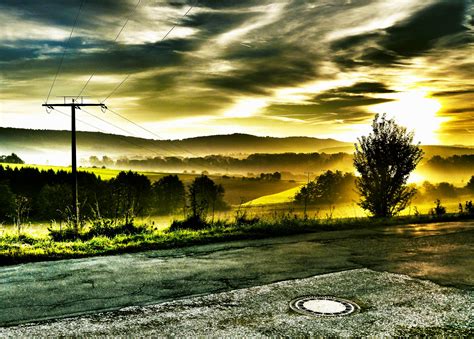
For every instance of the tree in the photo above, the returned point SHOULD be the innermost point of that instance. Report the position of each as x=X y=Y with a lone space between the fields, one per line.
x=21 y=209
x=329 y=188
x=11 y=159
x=470 y=185
x=53 y=201
x=205 y=195
x=384 y=159
x=168 y=194
x=131 y=193
x=7 y=203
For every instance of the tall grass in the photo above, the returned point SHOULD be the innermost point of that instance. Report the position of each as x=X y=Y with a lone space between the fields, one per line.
x=16 y=249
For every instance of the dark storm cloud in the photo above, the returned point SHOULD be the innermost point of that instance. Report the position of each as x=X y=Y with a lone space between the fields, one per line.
x=17 y=53
x=114 y=59
x=409 y=38
x=419 y=33
x=218 y=5
x=262 y=69
x=26 y=49
x=460 y=110
x=355 y=95
x=366 y=87
x=453 y=93
x=63 y=13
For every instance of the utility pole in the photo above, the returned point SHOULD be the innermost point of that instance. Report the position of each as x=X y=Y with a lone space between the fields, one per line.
x=74 y=104
x=306 y=196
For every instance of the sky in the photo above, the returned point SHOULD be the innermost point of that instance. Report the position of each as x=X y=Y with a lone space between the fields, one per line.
x=319 y=68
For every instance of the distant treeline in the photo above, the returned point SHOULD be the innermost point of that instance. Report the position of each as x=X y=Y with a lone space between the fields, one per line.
x=286 y=162
x=11 y=159
x=29 y=193
x=453 y=163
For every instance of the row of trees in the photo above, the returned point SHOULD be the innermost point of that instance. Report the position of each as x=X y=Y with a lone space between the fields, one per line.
x=46 y=195
x=289 y=162
x=329 y=188
x=384 y=160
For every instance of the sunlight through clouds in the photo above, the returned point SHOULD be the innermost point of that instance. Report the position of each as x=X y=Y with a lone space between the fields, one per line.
x=417 y=112
x=245 y=108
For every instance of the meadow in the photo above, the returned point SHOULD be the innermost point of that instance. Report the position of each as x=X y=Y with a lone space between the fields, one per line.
x=258 y=208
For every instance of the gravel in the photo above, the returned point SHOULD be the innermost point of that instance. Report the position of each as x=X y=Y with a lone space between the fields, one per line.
x=391 y=305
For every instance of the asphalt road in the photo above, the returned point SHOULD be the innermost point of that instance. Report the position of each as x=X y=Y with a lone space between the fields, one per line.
x=442 y=253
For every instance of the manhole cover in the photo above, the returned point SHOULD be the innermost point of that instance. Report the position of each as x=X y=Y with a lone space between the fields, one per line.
x=323 y=306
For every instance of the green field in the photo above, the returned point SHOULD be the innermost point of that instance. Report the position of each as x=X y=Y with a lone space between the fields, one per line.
x=277 y=198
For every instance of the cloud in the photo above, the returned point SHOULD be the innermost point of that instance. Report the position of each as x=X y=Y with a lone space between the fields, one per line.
x=340 y=105
x=226 y=52
x=453 y=93
x=409 y=38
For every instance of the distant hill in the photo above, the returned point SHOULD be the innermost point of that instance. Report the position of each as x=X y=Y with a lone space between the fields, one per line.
x=429 y=150
x=53 y=147
x=50 y=146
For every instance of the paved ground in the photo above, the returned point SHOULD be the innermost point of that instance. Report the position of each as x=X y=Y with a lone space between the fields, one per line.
x=442 y=253
x=391 y=305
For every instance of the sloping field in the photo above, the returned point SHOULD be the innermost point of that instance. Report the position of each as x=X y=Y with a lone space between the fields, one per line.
x=277 y=198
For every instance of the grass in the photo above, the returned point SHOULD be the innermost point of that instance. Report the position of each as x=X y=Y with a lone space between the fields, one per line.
x=16 y=249
x=277 y=198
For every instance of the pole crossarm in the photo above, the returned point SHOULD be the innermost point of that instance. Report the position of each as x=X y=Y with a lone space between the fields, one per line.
x=73 y=104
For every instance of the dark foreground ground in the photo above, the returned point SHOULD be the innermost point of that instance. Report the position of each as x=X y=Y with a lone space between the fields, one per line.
x=442 y=253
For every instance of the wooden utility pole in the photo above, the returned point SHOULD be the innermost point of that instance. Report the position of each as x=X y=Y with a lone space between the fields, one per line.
x=306 y=196
x=74 y=104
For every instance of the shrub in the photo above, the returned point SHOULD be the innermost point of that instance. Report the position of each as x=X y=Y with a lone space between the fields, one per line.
x=439 y=209
x=191 y=223
x=99 y=228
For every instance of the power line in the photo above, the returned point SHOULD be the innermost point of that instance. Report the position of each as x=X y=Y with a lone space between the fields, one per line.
x=116 y=37
x=154 y=134
x=81 y=121
x=172 y=28
x=124 y=130
x=107 y=122
x=162 y=39
x=124 y=138
x=116 y=88
x=132 y=122
x=146 y=148
x=64 y=52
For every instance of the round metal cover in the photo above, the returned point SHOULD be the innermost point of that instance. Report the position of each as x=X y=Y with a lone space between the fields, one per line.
x=323 y=306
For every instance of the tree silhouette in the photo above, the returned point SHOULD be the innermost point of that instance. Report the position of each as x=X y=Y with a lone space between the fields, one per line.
x=384 y=159
x=205 y=195
x=168 y=194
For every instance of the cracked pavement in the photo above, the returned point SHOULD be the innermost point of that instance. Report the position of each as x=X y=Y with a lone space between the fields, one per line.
x=441 y=253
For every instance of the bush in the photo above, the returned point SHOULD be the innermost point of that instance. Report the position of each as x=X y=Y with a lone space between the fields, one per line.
x=99 y=228
x=193 y=222
x=439 y=209
x=107 y=228
x=66 y=234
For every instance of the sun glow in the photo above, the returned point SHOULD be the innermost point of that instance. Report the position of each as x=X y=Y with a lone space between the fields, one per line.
x=417 y=112
x=245 y=108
